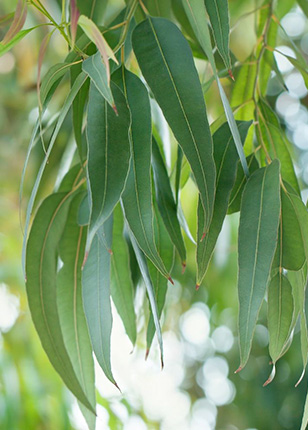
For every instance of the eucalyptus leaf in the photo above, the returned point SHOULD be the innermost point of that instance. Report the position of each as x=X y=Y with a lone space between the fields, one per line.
x=96 y=69
x=121 y=286
x=258 y=230
x=166 y=203
x=96 y=295
x=219 y=18
x=69 y=301
x=166 y=62
x=41 y=276
x=137 y=195
x=108 y=155
x=226 y=157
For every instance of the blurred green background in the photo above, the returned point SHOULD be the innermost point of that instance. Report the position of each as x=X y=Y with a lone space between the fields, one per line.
x=198 y=389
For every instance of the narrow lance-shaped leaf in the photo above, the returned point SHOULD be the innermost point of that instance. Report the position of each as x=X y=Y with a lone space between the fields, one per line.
x=196 y=13
x=226 y=157
x=142 y=262
x=96 y=69
x=75 y=14
x=260 y=210
x=280 y=315
x=96 y=295
x=67 y=104
x=41 y=273
x=165 y=201
x=122 y=289
x=219 y=17
x=166 y=250
x=293 y=251
x=94 y=34
x=4 y=48
x=69 y=299
x=108 y=155
x=137 y=196
x=18 y=22
x=167 y=64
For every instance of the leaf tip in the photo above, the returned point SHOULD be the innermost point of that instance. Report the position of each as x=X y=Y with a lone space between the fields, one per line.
x=115 y=110
x=162 y=363
x=238 y=369
x=271 y=377
x=300 y=378
x=117 y=387
x=85 y=259
x=171 y=280
x=231 y=75
x=147 y=353
x=183 y=267
x=197 y=287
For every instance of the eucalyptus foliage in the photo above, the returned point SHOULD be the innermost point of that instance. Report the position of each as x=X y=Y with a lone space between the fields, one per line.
x=116 y=217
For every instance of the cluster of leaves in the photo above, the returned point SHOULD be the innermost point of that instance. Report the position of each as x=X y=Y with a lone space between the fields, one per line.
x=116 y=217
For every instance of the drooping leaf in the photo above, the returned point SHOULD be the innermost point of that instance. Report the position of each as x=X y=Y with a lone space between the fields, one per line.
x=122 y=290
x=5 y=47
x=239 y=185
x=260 y=210
x=94 y=34
x=219 y=18
x=276 y=143
x=159 y=282
x=196 y=13
x=226 y=157
x=96 y=69
x=142 y=263
x=64 y=110
x=166 y=62
x=108 y=154
x=137 y=195
x=293 y=250
x=41 y=273
x=78 y=111
x=75 y=14
x=17 y=24
x=96 y=295
x=52 y=76
x=178 y=171
x=305 y=414
x=166 y=203
x=69 y=300
x=243 y=89
x=279 y=315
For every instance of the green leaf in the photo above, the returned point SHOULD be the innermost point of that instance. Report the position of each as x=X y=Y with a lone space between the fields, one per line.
x=108 y=155
x=142 y=262
x=159 y=283
x=96 y=69
x=166 y=62
x=5 y=47
x=137 y=195
x=293 y=250
x=226 y=157
x=64 y=110
x=242 y=93
x=69 y=300
x=159 y=8
x=305 y=414
x=41 y=273
x=96 y=295
x=122 y=289
x=165 y=201
x=93 y=9
x=240 y=182
x=260 y=210
x=279 y=314
x=71 y=179
x=78 y=109
x=219 y=18
x=276 y=144
x=196 y=13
